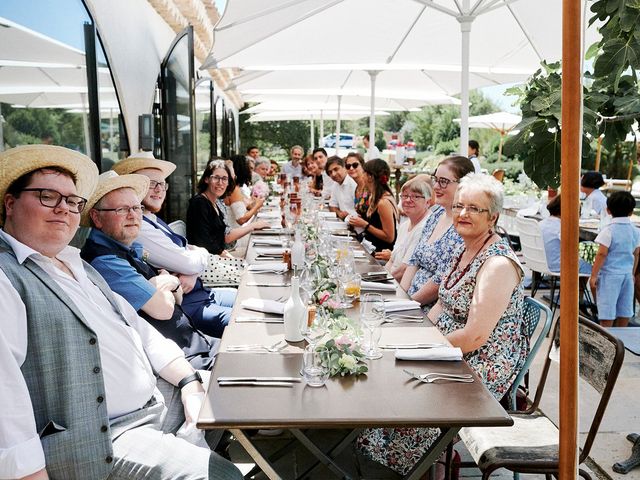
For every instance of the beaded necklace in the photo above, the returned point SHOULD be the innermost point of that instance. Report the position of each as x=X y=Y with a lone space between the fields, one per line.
x=468 y=266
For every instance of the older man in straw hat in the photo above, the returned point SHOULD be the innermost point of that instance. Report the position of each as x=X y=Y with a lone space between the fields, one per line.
x=115 y=212
x=79 y=397
x=209 y=309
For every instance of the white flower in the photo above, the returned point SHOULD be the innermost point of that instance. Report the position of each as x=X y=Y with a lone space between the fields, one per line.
x=348 y=362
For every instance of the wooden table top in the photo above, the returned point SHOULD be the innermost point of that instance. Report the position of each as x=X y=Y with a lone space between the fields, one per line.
x=385 y=396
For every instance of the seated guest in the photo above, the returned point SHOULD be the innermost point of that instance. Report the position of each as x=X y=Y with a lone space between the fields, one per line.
x=434 y=253
x=315 y=177
x=206 y=224
x=115 y=212
x=417 y=199
x=595 y=201
x=320 y=157
x=263 y=166
x=354 y=165
x=550 y=228
x=380 y=220
x=209 y=309
x=293 y=168
x=82 y=401
x=479 y=309
x=341 y=201
x=274 y=170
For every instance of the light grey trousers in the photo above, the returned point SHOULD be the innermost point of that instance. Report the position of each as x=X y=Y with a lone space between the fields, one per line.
x=145 y=447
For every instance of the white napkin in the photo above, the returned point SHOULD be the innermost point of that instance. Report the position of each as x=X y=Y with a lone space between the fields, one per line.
x=368 y=246
x=268 y=266
x=264 y=306
x=400 y=305
x=269 y=250
x=333 y=226
x=448 y=354
x=376 y=286
x=268 y=241
x=327 y=214
x=269 y=215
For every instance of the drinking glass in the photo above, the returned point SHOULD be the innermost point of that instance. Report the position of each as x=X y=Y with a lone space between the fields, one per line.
x=351 y=288
x=372 y=315
x=315 y=366
x=314 y=328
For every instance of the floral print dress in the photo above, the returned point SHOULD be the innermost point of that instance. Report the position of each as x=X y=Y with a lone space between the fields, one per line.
x=497 y=362
x=433 y=259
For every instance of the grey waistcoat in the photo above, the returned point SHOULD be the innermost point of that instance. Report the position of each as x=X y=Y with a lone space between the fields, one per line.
x=63 y=373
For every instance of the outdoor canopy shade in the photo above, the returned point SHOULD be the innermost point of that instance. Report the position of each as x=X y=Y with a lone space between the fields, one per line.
x=501 y=122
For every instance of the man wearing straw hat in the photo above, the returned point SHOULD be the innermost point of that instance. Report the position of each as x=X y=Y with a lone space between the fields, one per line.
x=115 y=212
x=79 y=397
x=210 y=309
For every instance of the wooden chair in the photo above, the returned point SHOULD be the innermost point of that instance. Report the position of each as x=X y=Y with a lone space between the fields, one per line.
x=531 y=444
x=498 y=174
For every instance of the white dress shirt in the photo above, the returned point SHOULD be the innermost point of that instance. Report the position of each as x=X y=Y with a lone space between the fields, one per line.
x=163 y=253
x=343 y=195
x=327 y=184
x=292 y=171
x=372 y=153
x=406 y=241
x=126 y=353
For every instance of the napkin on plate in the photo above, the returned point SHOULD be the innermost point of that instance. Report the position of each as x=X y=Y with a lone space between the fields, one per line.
x=267 y=241
x=268 y=266
x=269 y=250
x=327 y=214
x=377 y=286
x=400 y=305
x=268 y=215
x=264 y=306
x=448 y=354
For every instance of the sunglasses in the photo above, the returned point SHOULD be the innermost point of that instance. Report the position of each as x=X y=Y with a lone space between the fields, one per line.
x=349 y=166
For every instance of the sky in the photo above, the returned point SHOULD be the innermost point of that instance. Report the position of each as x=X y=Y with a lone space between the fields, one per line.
x=63 y=19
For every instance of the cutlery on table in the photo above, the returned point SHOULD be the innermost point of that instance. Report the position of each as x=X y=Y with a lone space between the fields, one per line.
x=243 y=318
x=432 y=377
x=411 y=346
x=390 y=319
x=272 y=272
x=276 y=347
x=256 y=384
x=256 y=284
x=260 y=379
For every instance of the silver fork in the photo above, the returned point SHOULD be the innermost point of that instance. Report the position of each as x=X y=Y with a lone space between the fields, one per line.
x=276 y=347
x=277 y=272
x=453 y=376
x=448 y=379
x=389 y=319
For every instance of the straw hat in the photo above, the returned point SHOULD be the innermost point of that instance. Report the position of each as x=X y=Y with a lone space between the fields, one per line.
x=21 y=160
x=110 y=181
x=141 y=160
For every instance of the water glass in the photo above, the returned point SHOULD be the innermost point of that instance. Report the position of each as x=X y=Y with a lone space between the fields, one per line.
x=351 y=288
x=315 y=366
x=372 y=315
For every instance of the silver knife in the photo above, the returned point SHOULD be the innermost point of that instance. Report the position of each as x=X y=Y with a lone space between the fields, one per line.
x=256 y=284
x=241 y=319
x=403 y=346
x=259 y=379
x=256 y=384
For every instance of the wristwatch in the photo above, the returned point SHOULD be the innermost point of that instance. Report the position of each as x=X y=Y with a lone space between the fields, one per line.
x=194 y=377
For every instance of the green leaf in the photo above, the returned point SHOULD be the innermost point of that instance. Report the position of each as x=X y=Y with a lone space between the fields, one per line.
x=543 y=104
x=592 y=51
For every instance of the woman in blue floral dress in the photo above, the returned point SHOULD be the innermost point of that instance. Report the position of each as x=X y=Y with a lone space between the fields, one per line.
x=433 y=255
x=475 y=312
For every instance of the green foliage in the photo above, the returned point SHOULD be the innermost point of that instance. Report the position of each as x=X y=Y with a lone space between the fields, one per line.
x=274 y=139
x=512 y=168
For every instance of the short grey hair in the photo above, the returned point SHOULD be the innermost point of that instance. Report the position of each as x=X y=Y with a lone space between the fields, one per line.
x=263 y=160
x=486 y=184
x=420 y=184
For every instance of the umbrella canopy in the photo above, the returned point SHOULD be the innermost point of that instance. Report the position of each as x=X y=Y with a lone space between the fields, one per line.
x=436 y=36
x=501 y=122
x=279 y=116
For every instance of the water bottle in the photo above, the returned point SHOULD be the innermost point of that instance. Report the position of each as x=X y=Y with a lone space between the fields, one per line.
x=297 y=252
x=295 y=313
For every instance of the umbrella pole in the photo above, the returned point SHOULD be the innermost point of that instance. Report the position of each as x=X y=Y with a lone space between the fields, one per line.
x=338 y=126
x=465 y=29
x=571 y=144
x=500 y=146
x=312 y=133
x=1 y=130
x=598 y=153
x=372 y=116
x=321 y=128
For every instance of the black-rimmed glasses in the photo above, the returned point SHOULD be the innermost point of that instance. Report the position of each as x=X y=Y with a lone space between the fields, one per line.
x=52 y=198
x=153 y=185
x=349 y=166
x=442 y=181
x=122 y=211
x=413 y=198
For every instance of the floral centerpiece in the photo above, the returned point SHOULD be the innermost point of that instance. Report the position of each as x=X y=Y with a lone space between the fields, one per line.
x=260 y=190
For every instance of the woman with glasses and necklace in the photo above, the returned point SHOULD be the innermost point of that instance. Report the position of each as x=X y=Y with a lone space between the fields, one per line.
x=379 y=223
x=434 y=252
x=417 y=199
x=479 y=310
x=206 y=225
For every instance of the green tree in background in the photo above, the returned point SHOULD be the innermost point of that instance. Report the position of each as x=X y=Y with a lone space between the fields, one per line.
x=274 y=138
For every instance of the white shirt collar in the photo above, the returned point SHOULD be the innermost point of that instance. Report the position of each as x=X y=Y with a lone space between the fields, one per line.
x=621 y=220
x=150 y=216
x=69 y=255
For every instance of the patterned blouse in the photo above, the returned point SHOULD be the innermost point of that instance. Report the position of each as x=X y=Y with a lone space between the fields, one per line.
x=497 y=362
x=433 y=259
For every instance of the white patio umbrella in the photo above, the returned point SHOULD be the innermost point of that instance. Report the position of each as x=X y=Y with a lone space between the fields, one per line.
x=510 y=37
x=501 y=122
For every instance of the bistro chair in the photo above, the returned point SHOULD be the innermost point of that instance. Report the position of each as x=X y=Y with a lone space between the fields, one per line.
x=531 y=444
x=179 y=227
x=498 y=174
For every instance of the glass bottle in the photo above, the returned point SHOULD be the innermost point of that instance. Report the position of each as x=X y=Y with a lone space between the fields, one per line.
x=295 y=313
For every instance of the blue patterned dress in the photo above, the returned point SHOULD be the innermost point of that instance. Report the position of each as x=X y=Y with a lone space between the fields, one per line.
x=497 y=362
x=433 y=259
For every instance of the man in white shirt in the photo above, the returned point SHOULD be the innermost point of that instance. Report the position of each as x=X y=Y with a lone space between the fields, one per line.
x=79 y=395
x=342 y=200
x=293 y=168
x=372 y=151
x=320 y=157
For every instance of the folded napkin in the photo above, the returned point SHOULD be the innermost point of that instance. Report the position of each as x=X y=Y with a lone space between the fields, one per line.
x=269 y=215
x=400 y=305
x=264 y=306
x=269 y=250
x=376 y=286
x=333 y=226
x=448 y=354
x=267 y=241
x=327 y=214
x=268 y=266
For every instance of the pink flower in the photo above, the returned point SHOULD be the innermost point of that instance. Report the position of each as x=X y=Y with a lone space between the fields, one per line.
x=333 y=304
x=344 y=341
x=260 y=189
x=323 y=297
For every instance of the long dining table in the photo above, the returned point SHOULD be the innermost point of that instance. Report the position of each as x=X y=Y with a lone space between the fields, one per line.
x=383 y=397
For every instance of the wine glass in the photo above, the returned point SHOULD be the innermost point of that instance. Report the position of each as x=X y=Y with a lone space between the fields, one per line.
x=315 y=327
x=372 y=315
x=351 y=285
